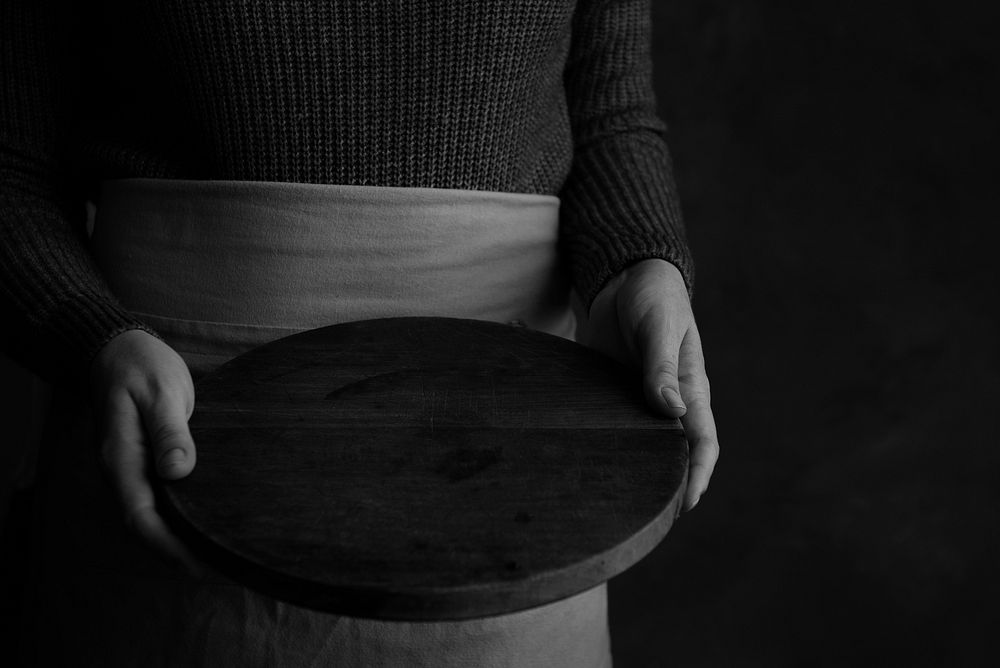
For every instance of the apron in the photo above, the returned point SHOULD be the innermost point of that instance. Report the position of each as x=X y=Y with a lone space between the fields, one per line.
x=218 y=268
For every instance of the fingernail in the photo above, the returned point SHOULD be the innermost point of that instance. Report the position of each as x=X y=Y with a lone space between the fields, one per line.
x=671 y=397
x=172 y=458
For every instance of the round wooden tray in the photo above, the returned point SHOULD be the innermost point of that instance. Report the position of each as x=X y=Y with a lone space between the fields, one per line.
x=426 y=468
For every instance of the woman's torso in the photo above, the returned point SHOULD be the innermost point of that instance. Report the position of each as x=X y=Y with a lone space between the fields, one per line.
x=453 y=94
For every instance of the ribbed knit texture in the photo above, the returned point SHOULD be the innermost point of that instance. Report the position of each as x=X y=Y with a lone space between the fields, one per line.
x=532 y=96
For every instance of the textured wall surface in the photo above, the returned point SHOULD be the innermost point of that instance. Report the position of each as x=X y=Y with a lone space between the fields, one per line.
x=836 y=162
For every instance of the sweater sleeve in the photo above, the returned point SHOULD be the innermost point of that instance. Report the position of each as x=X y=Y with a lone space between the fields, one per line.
x=619 y=203
x=57 y=311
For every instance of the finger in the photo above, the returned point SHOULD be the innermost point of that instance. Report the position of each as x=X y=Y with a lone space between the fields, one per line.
x=657 y=342
x=144 y=521
x=124 y=456
x=699 y=421
x=165 y=420
x=699 y=426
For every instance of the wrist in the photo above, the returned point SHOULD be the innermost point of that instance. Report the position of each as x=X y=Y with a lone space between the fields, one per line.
x=122 y=351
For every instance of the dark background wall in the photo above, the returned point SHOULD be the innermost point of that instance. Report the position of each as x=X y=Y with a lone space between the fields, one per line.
x=836 y=163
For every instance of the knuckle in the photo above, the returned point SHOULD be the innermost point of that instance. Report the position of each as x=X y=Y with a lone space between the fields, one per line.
x=159 y=393
x=666 y=368
x=713 y=450
x=706 y=456
x=648 y=323
x=697 y=384
x=706 y=393
x=163 y=433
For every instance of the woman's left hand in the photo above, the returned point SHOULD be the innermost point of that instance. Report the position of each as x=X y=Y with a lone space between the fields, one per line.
x=643 y=318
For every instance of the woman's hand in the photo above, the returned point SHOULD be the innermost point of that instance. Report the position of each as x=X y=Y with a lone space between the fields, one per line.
x=643 y=318
x=143 y=396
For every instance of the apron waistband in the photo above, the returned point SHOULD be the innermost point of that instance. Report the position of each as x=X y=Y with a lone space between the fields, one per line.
x=219 y=267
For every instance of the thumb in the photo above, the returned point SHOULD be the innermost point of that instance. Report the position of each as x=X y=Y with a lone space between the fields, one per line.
x=168 y=437
x=658 y=346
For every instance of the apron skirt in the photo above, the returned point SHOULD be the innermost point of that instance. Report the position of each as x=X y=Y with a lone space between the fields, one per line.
x=217 y=268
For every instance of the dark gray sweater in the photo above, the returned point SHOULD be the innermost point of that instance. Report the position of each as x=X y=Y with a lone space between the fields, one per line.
x=530 y=96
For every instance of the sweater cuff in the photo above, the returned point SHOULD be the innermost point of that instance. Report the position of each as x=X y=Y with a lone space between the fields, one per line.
x=87 y=322
x=619 y=207
x=70 y=333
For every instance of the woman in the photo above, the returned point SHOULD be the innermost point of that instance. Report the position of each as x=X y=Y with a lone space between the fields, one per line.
x=187 y=121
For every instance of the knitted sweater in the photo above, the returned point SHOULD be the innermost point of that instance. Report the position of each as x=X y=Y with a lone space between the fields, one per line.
x=527 y=96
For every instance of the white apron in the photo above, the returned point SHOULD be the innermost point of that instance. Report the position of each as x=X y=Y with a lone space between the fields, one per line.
x=220 y=267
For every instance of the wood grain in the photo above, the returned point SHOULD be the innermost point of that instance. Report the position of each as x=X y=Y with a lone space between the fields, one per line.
x=426 y=468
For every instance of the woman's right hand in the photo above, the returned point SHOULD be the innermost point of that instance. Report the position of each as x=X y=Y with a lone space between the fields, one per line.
x=143 y=396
